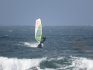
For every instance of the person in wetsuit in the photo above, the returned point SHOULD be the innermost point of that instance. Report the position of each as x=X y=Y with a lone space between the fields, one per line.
x=42 y=41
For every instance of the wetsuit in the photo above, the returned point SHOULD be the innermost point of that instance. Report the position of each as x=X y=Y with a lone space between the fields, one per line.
x=42 y=41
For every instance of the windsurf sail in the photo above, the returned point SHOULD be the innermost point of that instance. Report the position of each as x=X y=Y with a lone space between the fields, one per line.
x=38 y=30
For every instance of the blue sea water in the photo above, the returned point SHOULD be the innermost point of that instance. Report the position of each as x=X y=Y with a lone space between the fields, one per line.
x=65 y=48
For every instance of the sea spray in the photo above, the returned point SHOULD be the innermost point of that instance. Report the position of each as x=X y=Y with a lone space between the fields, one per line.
x=18 y=64
x=44 y=63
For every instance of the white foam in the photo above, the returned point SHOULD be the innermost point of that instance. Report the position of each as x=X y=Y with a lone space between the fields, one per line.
x=18 y=64
x=79 y=63
x=76 y=63
x=83 y=63
x=29 y=44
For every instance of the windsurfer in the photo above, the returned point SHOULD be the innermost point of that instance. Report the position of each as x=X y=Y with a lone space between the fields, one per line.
x=40 y=45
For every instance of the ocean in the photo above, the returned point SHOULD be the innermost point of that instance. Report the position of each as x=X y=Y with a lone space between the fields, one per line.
x=65 y=48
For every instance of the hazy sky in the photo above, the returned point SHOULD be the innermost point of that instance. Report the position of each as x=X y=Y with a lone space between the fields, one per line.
x=52 y=12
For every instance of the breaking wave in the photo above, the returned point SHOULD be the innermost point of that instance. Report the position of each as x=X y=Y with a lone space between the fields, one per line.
x=58 y=63
x=19 y=64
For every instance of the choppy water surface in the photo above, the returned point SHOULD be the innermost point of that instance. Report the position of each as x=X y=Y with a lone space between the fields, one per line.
x=66 y=48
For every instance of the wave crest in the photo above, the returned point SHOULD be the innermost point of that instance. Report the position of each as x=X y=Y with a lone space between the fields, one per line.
x=44 y=63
